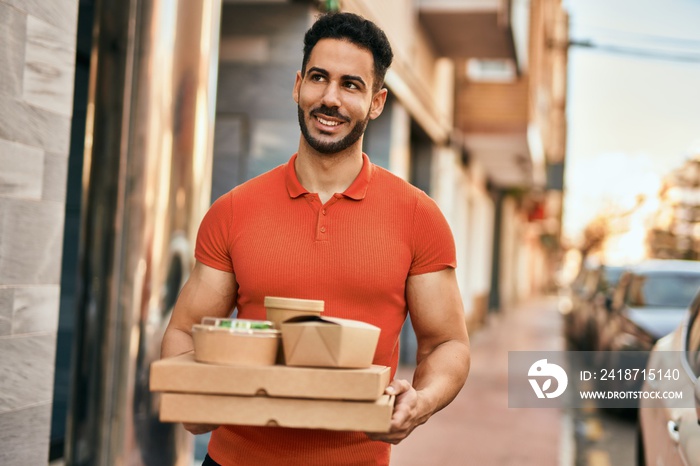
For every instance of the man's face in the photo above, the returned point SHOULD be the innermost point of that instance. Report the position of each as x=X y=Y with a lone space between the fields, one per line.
x=334 y=97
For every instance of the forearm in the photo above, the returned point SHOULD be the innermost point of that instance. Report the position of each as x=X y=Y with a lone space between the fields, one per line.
x=175 y=342
x=207 y=293
x=440 y=375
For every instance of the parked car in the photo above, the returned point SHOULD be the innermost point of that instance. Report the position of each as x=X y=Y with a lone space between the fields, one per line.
x=584 y=300
x=669 y=429
x=575 y=299
x=648 y=303
x=594 y=312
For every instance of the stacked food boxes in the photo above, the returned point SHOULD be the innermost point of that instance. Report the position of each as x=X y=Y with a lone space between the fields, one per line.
x=297 y=369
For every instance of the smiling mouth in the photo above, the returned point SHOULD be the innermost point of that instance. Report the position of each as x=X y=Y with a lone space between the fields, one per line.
x=329 y=117
x=327 y=122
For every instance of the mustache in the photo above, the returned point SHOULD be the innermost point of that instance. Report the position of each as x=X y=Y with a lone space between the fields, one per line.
x=329 y=112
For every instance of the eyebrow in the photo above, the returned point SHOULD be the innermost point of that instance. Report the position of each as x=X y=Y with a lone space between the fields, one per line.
x=346 y=77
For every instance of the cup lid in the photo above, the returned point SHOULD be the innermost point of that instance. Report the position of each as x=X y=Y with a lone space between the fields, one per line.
x=294 y=304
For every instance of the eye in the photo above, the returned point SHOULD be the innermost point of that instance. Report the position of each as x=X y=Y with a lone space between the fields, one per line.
x=317 y=77
x=351 y=85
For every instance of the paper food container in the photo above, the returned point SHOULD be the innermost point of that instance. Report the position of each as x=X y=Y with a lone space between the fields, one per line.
x=235 y=341
x=281 y=309
x=183 y=374
x=329 y=342
x=364 y=416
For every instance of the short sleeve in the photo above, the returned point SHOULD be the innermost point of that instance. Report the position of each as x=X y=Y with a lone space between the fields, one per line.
x=432 y=241
x=213 y=247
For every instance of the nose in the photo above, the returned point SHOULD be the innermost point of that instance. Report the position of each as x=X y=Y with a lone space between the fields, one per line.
x=331 y=95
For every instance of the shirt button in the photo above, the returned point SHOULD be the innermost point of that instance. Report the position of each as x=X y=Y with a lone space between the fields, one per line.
x=323 y=211
x=323 y=229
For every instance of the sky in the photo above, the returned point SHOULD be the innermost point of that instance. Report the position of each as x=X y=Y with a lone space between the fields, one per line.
x=633 y=115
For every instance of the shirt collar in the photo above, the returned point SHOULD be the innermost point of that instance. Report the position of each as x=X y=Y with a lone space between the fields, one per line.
x=293 y=186
x=357 y=190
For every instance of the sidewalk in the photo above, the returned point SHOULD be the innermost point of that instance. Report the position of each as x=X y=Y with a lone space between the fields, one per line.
x=478 y=428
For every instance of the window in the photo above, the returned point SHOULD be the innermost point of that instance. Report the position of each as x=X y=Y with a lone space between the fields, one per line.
x=611 y=276
x=663 y=290
x=491 y=70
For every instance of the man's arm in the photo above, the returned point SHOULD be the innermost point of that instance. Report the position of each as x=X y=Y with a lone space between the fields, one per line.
x=443 y=358
x=207 y=293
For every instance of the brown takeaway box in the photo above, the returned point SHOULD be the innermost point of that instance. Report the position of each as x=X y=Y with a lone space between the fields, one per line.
x=183 y=374
x=329 y=342
x=366 y=416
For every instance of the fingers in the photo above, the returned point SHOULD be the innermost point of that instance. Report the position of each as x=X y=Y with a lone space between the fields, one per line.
x=398 y=386
x=404 y=418
x=404 y=415
x=198 y=429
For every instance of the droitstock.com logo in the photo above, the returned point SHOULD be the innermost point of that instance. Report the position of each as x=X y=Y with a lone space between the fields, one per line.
x=543 y=372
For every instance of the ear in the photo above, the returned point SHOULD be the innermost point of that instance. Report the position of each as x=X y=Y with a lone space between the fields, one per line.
x=378 y=101
x=297 y=87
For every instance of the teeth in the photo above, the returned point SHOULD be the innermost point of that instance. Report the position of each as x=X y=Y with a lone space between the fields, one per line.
x=328 y=123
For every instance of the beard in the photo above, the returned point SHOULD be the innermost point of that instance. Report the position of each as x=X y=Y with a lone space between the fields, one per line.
x=333 y=147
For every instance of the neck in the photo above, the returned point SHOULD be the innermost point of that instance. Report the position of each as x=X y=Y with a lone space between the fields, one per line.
x=327 y=174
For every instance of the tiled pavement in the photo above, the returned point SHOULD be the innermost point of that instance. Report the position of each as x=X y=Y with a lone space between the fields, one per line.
x=478 y=428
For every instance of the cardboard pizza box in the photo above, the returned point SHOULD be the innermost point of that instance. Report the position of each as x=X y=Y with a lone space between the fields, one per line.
x=364 y=416
x=185 y=375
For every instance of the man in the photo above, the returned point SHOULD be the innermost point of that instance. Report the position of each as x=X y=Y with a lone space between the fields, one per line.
x=330 y=225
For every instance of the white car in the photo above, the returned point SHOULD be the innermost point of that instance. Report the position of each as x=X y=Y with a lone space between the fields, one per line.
x=669 y=429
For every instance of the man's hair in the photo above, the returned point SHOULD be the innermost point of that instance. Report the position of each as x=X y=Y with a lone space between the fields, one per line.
x=356 y=30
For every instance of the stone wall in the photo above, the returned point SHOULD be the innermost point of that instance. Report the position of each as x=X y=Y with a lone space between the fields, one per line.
x=37 y=57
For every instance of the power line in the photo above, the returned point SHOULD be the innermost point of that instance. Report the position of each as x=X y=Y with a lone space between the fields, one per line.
x=644 y=36
x=637 y=52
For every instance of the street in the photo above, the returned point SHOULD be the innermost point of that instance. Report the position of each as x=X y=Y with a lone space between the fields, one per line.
x=604 y=439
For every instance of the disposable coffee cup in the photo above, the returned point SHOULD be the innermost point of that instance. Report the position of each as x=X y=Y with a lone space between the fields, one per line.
x=282 y=309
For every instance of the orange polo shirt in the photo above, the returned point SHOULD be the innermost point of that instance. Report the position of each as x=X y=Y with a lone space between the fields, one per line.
x=354 y=252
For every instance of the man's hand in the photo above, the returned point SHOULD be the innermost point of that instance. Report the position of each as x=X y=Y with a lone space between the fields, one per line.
x=406 y=416
x=197 y=429
x=443 y=359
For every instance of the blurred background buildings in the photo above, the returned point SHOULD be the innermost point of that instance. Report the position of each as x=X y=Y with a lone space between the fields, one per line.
x=122 y=121
x=674 y=230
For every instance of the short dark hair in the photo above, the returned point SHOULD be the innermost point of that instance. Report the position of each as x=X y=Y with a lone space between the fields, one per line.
x=357 y=30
